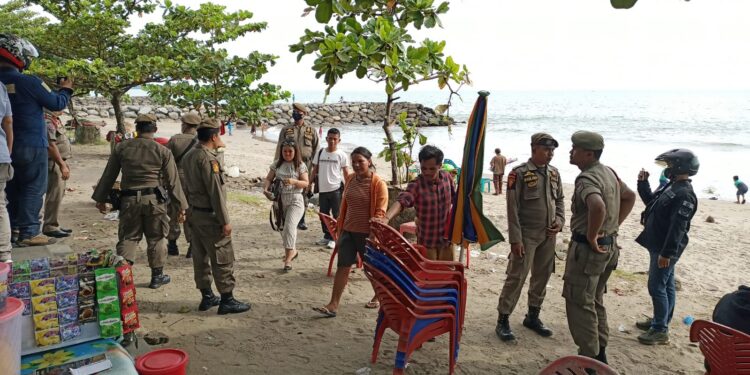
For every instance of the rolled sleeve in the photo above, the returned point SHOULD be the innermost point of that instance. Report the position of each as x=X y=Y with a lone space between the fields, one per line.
x=407 y=198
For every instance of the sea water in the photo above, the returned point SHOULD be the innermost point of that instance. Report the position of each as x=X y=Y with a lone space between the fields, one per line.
x=636 y=125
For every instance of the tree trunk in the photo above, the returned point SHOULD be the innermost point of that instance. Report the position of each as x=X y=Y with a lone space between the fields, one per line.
x=391 y=142
x=116 y=97
x=87 y=135
x=72 y=110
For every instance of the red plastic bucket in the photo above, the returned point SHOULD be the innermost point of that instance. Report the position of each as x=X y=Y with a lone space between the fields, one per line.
x=162 y=362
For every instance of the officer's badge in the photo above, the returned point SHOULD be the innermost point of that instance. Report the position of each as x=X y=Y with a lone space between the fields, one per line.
x=531 y=179
x=512 y=180
x=215 y=166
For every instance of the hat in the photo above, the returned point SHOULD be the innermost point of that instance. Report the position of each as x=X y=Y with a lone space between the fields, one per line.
x=209 y=123
x=191 y=118
x=145 y=118
x=543 y=139
x=588 y=140
x=299 y=107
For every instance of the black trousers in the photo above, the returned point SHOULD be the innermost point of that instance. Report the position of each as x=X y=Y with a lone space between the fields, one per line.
x=330 y=203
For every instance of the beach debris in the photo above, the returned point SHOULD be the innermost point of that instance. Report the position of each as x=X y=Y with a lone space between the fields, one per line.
x=233 y=171
x=156 y=338
x=710 y=219
x=363 y=371
x=184 y=309
x=677 y=284
x=492 y=256
x=81 y=238
x=623 y=329
x=688 y=320
x=475 y=253
x=112 y=216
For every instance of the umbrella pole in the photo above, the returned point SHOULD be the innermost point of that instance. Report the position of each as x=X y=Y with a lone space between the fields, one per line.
x=464 y=252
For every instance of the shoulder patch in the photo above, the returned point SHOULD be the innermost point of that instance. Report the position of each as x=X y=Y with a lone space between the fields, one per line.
x=46 y=87
x=11 y=88
x=512 y=180
x=215 y=166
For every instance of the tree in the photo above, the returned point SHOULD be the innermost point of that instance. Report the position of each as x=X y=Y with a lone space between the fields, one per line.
x=17 y=19
x=90 y=42
x=372 y=39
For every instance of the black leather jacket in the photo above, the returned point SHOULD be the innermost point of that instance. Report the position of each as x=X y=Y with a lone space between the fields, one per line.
x=666 y=219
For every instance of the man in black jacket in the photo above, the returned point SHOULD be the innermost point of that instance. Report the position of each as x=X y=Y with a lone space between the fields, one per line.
x=666 y=222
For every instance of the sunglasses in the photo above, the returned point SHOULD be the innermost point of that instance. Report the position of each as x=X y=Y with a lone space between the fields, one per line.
x=288 y=143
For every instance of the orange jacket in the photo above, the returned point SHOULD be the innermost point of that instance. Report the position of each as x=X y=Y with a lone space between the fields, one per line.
x=378 y=200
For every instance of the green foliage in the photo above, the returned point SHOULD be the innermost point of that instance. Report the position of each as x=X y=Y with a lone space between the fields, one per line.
x=16 y=18
x=404 y=147
x=371 y=38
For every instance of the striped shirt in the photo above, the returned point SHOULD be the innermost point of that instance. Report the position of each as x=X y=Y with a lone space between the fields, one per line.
x=358 y=209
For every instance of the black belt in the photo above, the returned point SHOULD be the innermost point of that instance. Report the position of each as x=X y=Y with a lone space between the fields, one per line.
x=603 y=241
x=201 y=209
x=133 y=193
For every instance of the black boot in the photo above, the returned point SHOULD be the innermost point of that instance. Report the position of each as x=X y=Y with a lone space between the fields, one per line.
x=158 y=278
x=229 y=305
x=602 y=356
x=172 y=248
x=502 y=329
x=189 y=252
x=532 y=322
x=208 y=300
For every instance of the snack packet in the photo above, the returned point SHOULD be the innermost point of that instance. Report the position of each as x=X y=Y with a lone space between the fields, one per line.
x=43 y=304
x=46 y=320
x=42 y=287
x=47 y=337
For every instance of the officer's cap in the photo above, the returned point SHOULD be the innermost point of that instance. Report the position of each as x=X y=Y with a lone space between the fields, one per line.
x=191 y=118
x=146 y=118
x=588 y=140
x=543 y=139
x=299 y=107
x=209 y=123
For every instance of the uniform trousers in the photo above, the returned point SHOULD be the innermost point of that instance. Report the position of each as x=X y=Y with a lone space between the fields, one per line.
x=143 y=215
x=539 y=258
x=53 y=199
x=213 y=254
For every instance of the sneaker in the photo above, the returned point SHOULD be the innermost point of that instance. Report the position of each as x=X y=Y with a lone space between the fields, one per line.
x=331 y=244
x=322 y=242
x=654 y=337
x=5 y=257
x=644 y=325
x=38 y=240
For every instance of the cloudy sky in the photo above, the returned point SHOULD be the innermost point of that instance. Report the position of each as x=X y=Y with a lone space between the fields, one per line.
x=550 y=44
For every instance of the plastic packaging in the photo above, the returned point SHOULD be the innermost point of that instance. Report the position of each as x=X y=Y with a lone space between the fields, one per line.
x=10 y=337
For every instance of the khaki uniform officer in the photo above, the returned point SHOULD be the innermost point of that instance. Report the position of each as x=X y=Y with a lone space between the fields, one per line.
x=208 y=219
x=180 y=144
x=145 y=165
x=536 y=212
x=601 y=202
x=306 y=139
x=56 y=176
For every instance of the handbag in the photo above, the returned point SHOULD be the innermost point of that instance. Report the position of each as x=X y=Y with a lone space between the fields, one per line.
x=315 y=189
x=276 y=215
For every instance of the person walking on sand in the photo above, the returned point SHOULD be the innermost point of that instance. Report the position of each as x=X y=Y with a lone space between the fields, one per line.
x=741 y=189
x=331 y=167
x=365 y=198
x=289 y=168
x=666 y=223
x=497 y=166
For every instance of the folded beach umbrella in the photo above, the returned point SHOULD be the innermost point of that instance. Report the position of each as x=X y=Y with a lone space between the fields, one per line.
x=468 y=222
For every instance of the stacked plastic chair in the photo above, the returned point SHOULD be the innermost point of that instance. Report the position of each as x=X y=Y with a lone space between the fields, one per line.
x=330 y=224
x=419 y=298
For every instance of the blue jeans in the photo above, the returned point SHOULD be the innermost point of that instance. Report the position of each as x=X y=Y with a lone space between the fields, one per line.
x=26 y=190
x=662 y=291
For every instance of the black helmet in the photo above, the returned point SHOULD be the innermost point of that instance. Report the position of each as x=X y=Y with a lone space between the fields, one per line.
x=18 y=51
x=678 y=161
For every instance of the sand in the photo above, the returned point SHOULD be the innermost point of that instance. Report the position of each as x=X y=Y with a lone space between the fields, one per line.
x=282 y=335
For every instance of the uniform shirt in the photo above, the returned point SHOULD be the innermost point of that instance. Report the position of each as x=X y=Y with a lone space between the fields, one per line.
x=143 y=162
x=433 y=201
x=204 y=182
x=358 y=196
x=179 y=143
x=5 y=111
x=305 y=137
x=498 y=164
x=330 y=173
x=28 y=96
x=596 y=179
x=287 y=170
x=666 y=220
x=535 y=201
x=56 y=135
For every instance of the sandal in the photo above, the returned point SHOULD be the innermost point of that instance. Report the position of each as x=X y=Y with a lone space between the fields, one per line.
x=288 y=267
x=372 y=305
x=325 y=312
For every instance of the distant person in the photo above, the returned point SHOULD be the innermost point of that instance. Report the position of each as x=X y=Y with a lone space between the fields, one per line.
x=289 y=168
x=331 y=167
x=253 y=128
x=666 y=223
x=431 y=194
x=58 y=173
x=341 y=99
x=365 y=198
x=28 y=97
x=497 y=165
x=741 y=189
x=320 y=132
x=230 y=125
x=6 y=172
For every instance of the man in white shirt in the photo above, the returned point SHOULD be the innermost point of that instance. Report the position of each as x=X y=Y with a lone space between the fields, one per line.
x=330 y=168
x=6 y=171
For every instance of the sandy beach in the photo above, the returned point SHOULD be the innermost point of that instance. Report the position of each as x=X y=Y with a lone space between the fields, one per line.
x=282 y=335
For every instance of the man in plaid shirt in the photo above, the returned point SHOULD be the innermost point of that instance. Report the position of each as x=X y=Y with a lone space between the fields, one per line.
x=432 y=194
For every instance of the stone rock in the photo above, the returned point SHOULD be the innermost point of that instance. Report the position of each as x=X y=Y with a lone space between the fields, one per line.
x=104 y=114
x=93 y=112
x=710 y=219
x=160 y=115
x=132 y=108
x=155 y=338
x=145 y=110
x=129 y=114
x=162 y=110
x=174 y=115
x=111 y=111
x=286 y=107
x=277 y=110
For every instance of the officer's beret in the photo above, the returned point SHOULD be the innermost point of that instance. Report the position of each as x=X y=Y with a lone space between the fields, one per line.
x=145 y=118
x=209 y=123
x=191 y=118
x=543 y=139
x=588 y=140
x=299 y=107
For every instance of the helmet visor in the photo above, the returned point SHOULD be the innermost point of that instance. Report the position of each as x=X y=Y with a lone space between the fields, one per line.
x=662 y=163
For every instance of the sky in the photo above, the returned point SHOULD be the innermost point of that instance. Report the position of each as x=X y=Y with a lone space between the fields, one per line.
x=547 y=44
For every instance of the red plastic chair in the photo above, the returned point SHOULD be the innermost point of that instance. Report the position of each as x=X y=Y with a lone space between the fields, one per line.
x=576 y=365
x=726 y=350
x=413 y=323
x=330 y=224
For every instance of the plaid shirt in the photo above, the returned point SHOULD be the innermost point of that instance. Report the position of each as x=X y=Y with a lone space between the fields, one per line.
x=433 y=201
